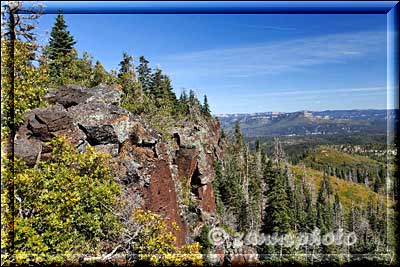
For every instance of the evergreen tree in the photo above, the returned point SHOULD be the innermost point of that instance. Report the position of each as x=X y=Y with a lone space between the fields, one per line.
x=61 y=41
x=127 y=76
x=239 y=141
x=126 y=65
x=144 y=74
x=310 y=220
x=206 y=108
x=324 y=207
x=182 y=107
x=337 y=213
x=192 y=99
x=288 y=184
x=60 y=52
x=100 y=75
x=277 y=217
x=258 y=145
x=168 y=93
x=156 y=90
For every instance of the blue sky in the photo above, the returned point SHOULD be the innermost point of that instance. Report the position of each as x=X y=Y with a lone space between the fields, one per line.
x=249 y=63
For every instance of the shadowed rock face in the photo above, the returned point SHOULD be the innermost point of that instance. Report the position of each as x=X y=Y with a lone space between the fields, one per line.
x=150 y=168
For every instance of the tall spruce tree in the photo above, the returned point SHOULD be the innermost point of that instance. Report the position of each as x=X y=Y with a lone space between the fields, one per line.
x=337 y=213
x=61 y=41
x=277 y=214
x=126 y=75
x=324 y=206
x=60 y=52
x=144 y=74
x=126 y=64
x=156 y=90
x=206 y=108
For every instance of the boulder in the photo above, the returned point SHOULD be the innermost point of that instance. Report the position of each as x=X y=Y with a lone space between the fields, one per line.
x=68 y=95
x=142 y=136
x=111 y=149
x=28 y=150
x=102 y=123
x=106 y=94
x=43 y=123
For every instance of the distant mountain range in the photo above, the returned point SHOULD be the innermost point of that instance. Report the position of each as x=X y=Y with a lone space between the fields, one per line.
x=311 y=122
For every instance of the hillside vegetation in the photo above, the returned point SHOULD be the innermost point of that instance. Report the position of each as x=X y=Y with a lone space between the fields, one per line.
x=349 y=192
x=350 y=167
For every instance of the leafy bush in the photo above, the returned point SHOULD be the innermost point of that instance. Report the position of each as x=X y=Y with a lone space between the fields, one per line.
x=62 y=205
x=156 y=245
x=29 y=84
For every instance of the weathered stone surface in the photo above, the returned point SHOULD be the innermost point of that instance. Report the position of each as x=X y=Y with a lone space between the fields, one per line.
x=68 y=95
x=43 y=123
x=102 y=123
x=163 y=200
x=207 y=200
x=142 y=136
x=105 y=94
x=28 y=150
x=187 y=162
x=111 y=149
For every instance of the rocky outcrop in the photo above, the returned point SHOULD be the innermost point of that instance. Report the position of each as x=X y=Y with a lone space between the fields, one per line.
x=152 y=169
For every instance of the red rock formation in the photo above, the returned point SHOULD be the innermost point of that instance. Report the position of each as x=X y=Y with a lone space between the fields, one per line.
x=187 y=162
x=144 y=162
x=207 y=200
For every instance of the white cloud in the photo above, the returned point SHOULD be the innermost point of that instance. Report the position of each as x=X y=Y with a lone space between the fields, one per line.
x=286 y=92
x=277 y=57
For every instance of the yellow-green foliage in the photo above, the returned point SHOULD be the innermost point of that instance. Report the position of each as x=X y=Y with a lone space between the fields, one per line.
x=29 y=85
x=62 y=205
x=334 y=158
x=348 y=192
x=156 y=245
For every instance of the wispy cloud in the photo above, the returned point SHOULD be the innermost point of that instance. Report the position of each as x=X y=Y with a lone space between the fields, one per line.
x=286 y=92
x=276 y=57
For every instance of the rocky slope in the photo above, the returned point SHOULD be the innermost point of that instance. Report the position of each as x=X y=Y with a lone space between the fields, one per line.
x=170 y=175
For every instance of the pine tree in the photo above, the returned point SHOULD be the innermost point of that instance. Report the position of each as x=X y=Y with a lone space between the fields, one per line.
x=100 y=75
x=61 y=41
x=277 y=218
x=206 y=108
x=239 y=141
x=127 y=76
x=60 y=52
x=192 y=99
x=168 y=94
x=182 y=107
x=337 y=213
x=288 y=184
x=324 y=207
x=156 y=90
x=310 y=220
x=126 y=64
x=144 y=74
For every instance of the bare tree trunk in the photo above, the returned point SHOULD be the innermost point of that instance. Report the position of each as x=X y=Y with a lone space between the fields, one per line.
x=12 y=130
